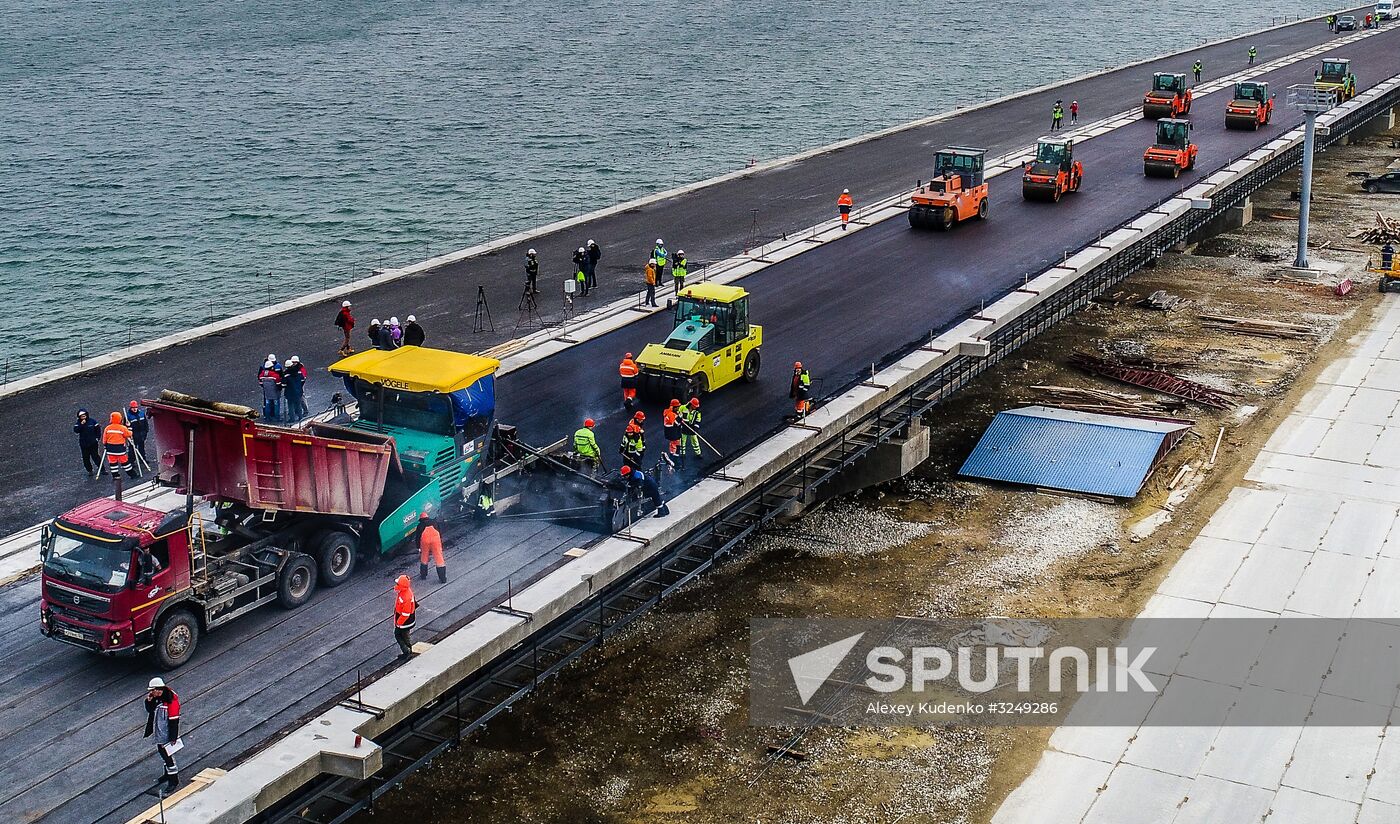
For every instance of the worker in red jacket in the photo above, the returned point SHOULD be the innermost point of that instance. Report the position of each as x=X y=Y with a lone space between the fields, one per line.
x=163 y=721
x=405 y=615
x=346 y=322
x=844 y=203
x=627 y=371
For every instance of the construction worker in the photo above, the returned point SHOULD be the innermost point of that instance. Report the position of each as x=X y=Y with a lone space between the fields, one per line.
x=140 y=426
x=116 y=440
x=595 y=254
x=1196 y=70
x=1253 y=53
x=345 y=322
x=590 y=279
x=690 y=426
x=405 y=615
x=671 y=428
x=392 y=335
x=1073 y=112
x=801 y=388
x=485 y=503
x=627 y=371
x=89 y=436
x=650 y=274
x=294 y=385
x=1331 y=22
x=633 y=446
x=1057 y=115
x=586 y=446
x=1368 y=22
x=580 y=276
x=430 y=546
x=163 y=722
x=639 y=436
x=374 y=331
x=660 y=255
x=270 y=381
x=843 y=205
x=640 y=483
x=532 y=272
x=413 y=334
x=680 y=267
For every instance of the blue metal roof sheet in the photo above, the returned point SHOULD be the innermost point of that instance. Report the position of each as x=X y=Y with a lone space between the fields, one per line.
x=1075 y=451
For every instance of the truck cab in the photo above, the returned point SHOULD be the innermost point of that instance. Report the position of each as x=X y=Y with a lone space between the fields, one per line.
x=92 y=592
x=711 y=344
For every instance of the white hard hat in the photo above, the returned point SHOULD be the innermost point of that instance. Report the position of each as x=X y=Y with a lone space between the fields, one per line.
x=580 y=248
x=655 y=262
x=345 y=303
x=295 y=359
x=680 y=253
x=393 y=321
x=591 y=243
x=271 y=356
x=845 y=191
x=374 y=322
x=658 y=241
x=156 y=683
x=530 y=252
x=412 y=318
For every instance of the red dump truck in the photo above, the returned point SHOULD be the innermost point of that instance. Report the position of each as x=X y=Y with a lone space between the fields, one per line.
x=283 y=509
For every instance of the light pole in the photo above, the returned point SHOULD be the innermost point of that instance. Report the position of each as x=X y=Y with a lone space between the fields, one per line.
x=1313 y=101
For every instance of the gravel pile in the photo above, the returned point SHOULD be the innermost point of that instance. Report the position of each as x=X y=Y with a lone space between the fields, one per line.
x=1037 y=539
x=844 y=528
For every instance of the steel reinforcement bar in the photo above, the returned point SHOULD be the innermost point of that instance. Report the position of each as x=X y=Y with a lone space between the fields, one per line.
x=445 y=723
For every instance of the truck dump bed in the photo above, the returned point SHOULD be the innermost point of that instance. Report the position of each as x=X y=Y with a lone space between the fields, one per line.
x=323 y=469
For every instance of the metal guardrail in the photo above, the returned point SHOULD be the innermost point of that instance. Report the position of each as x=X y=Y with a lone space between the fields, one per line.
x=494 y=689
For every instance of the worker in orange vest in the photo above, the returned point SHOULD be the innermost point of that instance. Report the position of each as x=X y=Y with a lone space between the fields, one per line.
x=430 y=546
x=405 y=615
x=671 y=427
x=627 y=370
x=844 y=203
x=116 y=439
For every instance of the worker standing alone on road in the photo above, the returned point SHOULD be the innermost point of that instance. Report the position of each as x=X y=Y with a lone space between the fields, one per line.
x=650 y=274
x=671 y=428
x=843 y=205
x=1196 y=70
x=163 y=721
x=679 y=269
x=532 y=272
x=586 y=446
x=627 y=371
x=346 y=322
x=405 y=615
x=430 y=546
x=690 y=426
x=116 y=442
x=801 y=388
x=1057 y=116
x=89 y=436
x=1253 y=53
x=1073 y=112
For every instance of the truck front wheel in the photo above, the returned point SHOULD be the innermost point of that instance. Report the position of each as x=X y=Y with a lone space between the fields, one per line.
x=751 y=365
x=176 y=638
x=335 y=557
x=296 y=581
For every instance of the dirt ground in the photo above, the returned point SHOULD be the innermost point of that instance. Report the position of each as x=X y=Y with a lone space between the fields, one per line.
x=654 y=728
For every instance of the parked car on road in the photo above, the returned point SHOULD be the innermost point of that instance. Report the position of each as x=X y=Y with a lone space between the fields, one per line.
x=1384 y=182
x=1346 y=22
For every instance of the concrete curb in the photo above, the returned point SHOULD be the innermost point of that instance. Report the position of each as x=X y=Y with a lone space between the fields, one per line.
x=323 y=744
x=390 y=275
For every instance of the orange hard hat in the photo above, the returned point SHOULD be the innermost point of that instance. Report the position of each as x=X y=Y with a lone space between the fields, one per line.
x=588 y=422
x=675 y=402
x=625 y=470
x=627 y=356
x=115 y=417
x=694 y=401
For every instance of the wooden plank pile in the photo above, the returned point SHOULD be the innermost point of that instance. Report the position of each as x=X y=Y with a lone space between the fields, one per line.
x=1106 y=403
x=1259 y=328
x=1386 y=230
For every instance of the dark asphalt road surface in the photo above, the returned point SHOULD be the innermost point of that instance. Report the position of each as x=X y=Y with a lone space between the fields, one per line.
x=70 y=723
x=42 y=474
